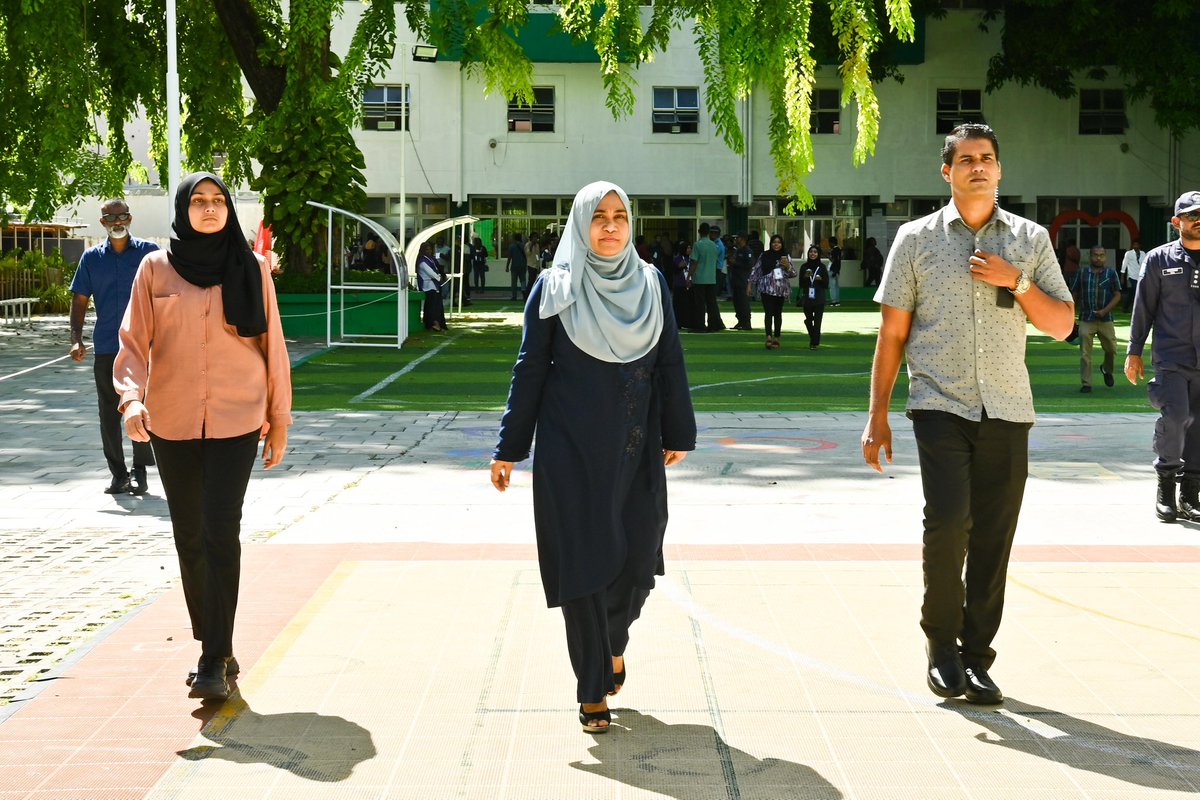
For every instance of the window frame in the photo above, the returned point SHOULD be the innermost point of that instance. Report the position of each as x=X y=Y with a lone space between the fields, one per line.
x=1104 y=116
x=522 y=118
x=675 y=119
x=391 y=115
x=820 y=113
x=946 y=120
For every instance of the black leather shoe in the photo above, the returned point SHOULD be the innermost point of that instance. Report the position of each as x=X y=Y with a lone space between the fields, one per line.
x=945 y=676
x=1108 y=378
x=981 y=689
x=118 y=486
x=138 y=481
x=210 y=682
x=231 y=671
x=1085 y=389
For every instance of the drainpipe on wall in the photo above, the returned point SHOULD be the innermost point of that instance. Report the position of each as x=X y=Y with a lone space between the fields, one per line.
x=745 y=194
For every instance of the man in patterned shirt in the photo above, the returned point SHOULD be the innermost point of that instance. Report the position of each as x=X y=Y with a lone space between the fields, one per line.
x=957 y=290
x=1097 y=292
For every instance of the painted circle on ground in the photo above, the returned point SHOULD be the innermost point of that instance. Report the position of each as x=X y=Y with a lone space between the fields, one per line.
x=773 y=442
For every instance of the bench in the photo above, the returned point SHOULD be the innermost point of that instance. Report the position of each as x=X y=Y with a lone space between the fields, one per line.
x=17 y=310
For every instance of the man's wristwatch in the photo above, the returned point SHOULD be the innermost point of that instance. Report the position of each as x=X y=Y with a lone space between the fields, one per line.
x=1023 y=284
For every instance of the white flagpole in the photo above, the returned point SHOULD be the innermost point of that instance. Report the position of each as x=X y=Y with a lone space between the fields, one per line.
x=174 y=158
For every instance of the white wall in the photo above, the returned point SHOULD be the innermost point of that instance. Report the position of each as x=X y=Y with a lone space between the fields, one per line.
x=1041 y=151
x=453 y=123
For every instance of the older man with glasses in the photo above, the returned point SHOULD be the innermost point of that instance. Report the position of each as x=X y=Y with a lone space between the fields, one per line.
x=105 y=275
x=1168 y=301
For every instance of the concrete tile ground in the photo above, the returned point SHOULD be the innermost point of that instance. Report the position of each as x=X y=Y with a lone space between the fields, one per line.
x=395 y=642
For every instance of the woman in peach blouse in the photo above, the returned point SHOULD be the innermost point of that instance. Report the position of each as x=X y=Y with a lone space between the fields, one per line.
x=216 y=381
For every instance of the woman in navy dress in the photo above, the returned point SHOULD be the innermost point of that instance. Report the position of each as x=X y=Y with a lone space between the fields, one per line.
x=600 y=377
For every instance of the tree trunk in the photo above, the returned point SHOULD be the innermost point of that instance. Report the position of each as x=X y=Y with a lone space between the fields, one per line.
x=245 y=33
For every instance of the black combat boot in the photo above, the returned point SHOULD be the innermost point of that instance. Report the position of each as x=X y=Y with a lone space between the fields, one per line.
x=1189 y=498
x=1164 y=504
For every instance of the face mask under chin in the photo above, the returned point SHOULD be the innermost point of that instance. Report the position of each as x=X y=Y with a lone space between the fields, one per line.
x=118 y=232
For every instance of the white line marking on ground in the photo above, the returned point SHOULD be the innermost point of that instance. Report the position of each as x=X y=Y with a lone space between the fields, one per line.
x=31 y=369
x=783 y=377
x=407 y=368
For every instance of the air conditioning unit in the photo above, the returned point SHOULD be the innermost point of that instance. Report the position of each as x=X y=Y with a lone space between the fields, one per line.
x=386 y=125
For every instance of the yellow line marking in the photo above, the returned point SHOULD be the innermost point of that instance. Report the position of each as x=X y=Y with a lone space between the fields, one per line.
x=279 y=648
x=1099 y=613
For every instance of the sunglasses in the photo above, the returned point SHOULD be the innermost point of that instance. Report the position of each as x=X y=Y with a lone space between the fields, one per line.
x=115 y=217
x=1191 y=216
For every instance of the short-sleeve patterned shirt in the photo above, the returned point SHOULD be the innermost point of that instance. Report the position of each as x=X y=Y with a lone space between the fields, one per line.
x=965 y=351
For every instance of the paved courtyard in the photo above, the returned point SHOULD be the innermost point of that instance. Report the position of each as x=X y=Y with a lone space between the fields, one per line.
x=395 y=643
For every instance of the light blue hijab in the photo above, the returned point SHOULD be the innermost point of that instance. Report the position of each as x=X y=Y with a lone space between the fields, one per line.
x=610 y=307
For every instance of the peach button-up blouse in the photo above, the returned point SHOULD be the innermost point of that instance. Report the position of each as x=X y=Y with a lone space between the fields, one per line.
x=196 y=376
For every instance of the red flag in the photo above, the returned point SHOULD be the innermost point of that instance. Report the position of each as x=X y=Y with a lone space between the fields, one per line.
x=262 y=240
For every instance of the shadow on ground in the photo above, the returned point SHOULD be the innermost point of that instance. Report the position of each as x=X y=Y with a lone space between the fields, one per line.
x=689 y=762
x=309 y=745
x=1082 y=745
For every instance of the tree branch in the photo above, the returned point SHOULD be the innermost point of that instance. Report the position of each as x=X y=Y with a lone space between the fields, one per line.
x=247 y=38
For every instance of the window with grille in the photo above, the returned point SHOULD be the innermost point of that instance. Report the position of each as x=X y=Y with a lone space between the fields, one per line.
x=537 y=118
x=826 y=115
x=956 y=106
x=387 y=108
x=676 y=109
x=1102 y=112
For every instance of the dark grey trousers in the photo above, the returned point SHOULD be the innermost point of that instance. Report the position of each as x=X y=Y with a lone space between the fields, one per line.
x=1175 y=392
x=112 y=438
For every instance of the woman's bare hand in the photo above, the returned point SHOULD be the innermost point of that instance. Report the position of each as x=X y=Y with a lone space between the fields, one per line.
x=501 y=474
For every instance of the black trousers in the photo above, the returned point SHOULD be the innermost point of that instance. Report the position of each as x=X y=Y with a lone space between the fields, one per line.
x=681 y=300
x=517 y=279
x=739 y=280
x=1175 y=392
x=813 y=314
x=706 y=315
x=772 y=313
x=1128 y=294
x=973 y=475
x=433 y=310
x=112 y=438
x=597 y=630
x=205 y=483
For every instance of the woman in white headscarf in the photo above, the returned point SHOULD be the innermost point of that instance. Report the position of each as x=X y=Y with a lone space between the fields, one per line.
x=600 y=376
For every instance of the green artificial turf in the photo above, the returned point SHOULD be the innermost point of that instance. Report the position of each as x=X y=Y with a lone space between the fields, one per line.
x=728 y=371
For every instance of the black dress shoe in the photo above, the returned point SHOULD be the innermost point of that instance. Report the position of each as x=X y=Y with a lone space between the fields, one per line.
x=232 y=668
x=1108 y=377
x=210 y=682
x=138 y=481
x=981 y=689
x=945 y=676
x=118 y=486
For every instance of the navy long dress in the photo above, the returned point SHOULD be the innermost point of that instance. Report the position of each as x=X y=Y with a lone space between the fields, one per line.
x=599 y=484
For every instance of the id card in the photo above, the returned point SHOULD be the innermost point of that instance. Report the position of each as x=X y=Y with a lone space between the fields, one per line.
x=812 y=293
x=777 y=274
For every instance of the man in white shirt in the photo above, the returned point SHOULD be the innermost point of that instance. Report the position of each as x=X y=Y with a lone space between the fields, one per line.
x=1131 y=271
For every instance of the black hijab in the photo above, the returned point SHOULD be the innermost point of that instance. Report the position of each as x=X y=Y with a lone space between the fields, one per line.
x=770 y=257
x=209 y=259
